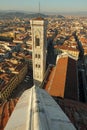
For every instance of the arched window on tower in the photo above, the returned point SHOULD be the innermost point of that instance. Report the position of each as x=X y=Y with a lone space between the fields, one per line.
x=39 y=56
x=37 y=41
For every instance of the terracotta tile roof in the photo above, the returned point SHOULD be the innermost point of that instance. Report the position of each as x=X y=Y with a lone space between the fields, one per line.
x=67 y=48
x=6 y=110
x=28 y=57
x=56 y=82
x=76 y=111
x=62 y=81
x=39 y=18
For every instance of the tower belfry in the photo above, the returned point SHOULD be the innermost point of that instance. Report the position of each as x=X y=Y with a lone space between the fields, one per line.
x=39 y=42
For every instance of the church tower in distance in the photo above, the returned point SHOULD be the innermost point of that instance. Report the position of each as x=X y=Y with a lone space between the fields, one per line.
x=39 y=41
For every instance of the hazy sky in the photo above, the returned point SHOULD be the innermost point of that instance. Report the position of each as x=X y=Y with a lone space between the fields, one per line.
x=46 y=5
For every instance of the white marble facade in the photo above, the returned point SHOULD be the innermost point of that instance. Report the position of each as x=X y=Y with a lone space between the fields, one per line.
x=39 y=41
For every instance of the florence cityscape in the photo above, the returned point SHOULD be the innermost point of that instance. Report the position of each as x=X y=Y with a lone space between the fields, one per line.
x=43 y=65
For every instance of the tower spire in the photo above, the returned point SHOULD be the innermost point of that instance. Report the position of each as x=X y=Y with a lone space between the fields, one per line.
x=39 y=8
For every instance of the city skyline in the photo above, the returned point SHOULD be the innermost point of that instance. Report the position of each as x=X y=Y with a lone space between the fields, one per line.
x=45 y=6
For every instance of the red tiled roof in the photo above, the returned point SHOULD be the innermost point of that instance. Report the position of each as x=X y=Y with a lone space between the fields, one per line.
x=6 y=110
x=28 y=56
x=39 y=18
x=62 y=81
x=67 y=48
x=56 y=83
x=76 y=111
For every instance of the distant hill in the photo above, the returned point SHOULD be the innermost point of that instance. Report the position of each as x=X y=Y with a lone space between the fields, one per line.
x=57 y=16
x=20 y=15
x=24 y=14
x=60 y=16
x=11 y=15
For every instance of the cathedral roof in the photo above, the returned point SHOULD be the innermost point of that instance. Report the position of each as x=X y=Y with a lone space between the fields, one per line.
x=62 y=80
x=36 y=110
x=76 y=111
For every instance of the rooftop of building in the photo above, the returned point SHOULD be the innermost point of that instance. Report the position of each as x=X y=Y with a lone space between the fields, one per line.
x=76 y=111
x=38 y=18
x=69 y=48
x=4 y=80
x=6 y=110
x=62 y=80
x=8 y=69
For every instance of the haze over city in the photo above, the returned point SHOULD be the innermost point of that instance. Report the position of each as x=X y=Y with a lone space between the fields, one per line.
x=43 y=65
x=46 y=5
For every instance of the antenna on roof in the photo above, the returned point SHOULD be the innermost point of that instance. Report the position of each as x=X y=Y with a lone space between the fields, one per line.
x=39 y=8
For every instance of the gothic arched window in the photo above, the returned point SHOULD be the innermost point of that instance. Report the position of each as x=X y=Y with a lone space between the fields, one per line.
x=37 y=40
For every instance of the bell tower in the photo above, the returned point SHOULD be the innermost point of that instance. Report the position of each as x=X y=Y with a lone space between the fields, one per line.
x=39 y=41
